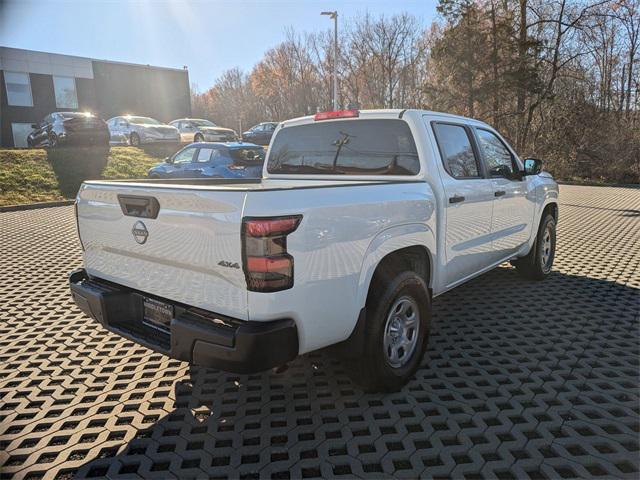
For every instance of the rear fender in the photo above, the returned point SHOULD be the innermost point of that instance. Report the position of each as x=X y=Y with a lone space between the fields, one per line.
x=388 y=241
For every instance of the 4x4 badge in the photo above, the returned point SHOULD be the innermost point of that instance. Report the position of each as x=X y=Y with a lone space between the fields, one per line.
x=140 y=232
x=224 y=263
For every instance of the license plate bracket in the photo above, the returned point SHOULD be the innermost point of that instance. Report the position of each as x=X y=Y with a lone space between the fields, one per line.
x=157 y=314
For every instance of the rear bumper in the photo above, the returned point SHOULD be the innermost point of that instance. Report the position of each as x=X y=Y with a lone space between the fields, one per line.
x=195 y=336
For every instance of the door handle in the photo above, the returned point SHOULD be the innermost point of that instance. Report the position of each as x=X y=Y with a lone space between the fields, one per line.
x=456 y=199
x=500 y=193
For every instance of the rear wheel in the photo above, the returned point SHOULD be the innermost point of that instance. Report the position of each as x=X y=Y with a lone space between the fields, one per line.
x=198 y=138
x=536 y=265
x=134 y=139
x=396 y=333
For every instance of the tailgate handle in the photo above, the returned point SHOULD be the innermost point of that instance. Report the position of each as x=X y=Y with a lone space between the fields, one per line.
x=139 y=206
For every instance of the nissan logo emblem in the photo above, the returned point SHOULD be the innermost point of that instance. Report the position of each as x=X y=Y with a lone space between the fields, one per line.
x=140 y=232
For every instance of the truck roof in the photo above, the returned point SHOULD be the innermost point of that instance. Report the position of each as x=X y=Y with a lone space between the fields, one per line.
x=386 y=113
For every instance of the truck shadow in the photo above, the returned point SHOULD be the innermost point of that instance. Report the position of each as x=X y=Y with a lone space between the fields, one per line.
x=501 y=350
x=72 y=165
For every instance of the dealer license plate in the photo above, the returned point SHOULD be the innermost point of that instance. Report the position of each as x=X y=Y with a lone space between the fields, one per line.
x=157 y=314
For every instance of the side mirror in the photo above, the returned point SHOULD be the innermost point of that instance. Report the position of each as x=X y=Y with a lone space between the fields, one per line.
x=532 y=166
x=34 y=125
x=167 y=160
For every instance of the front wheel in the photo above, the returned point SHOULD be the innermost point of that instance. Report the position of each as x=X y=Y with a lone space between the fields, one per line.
x=134 y=140
x=396 y=333
x=53 y=140
x=538 y=262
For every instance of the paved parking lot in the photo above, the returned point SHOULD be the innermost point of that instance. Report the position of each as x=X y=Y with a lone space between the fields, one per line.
x=522 y=379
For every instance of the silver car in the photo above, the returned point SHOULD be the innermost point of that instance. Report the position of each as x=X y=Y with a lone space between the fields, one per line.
x=134 y=130
x=200 y=130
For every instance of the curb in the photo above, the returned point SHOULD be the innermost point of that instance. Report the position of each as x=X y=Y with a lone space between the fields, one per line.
x=595 y=184
x=33 y=206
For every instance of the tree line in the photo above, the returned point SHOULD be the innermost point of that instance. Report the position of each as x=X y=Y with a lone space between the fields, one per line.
x=559 y=78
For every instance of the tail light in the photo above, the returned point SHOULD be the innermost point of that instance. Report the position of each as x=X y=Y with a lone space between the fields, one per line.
x=267 y=265
x=336 y=114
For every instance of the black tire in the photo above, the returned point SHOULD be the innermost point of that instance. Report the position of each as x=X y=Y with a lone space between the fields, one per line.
x=537 y=264
x=134 y=140
x=373 y=370
x=198 y=138
x=53 y=140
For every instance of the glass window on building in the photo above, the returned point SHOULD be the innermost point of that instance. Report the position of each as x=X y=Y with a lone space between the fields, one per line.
x=20 y=132
x=18 y=89
x=65 y=89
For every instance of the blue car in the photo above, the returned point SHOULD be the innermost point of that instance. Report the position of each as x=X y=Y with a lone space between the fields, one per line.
x=212 y=160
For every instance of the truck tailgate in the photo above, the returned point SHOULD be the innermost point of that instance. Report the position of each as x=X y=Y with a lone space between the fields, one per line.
x=190 y=253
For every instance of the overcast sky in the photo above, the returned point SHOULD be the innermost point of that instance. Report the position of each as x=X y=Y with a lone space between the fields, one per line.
x=206 y=36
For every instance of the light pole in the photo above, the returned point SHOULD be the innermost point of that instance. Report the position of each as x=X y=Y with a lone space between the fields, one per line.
x=334 y=16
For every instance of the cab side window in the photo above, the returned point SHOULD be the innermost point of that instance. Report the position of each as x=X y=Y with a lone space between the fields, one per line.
x=184 y=156
x=456 y=150
x=497 y=157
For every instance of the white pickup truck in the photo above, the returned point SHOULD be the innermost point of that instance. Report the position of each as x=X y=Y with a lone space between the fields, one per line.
x=361 y=218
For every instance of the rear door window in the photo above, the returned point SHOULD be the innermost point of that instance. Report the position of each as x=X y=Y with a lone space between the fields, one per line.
x=351 y=147
x=456 y=150
x=204 y=155
x=247 y=156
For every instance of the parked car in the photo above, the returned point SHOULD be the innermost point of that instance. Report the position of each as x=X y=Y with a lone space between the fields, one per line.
x=199 y=130
x=135 y=131
x=212 y=160
x=260 y=134
x=361 y=218
x=68 y=128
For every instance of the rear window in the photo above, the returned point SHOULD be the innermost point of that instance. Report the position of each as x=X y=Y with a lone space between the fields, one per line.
x=352 y=147
x=247 y=156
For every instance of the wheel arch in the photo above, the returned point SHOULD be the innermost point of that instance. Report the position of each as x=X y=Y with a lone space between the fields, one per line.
x=415 y=258
x=391 y=246
x=550 y=207
x=388 y=255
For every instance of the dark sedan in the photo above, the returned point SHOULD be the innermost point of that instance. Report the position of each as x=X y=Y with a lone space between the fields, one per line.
x=260 y=134
x=69 y=128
